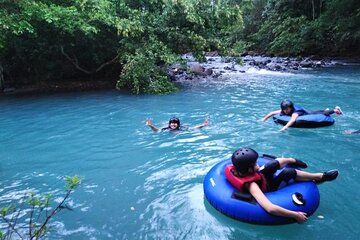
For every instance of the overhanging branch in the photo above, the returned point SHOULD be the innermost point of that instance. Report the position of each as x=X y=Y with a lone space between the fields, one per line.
x=75 y=62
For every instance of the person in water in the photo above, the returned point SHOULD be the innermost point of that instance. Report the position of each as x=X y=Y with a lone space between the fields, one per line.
x=174 y=125
x=257 y=180
x=288 y=108
x=352 y=132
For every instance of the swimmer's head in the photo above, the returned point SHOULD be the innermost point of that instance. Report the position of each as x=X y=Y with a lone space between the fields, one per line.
x=174 y=123
x=244 y=160
x=287 y=107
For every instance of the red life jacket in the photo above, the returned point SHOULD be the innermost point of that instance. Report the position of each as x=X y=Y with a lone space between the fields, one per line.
x=239 y=182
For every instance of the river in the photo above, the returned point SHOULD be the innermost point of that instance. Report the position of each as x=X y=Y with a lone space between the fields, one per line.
x=138 y=184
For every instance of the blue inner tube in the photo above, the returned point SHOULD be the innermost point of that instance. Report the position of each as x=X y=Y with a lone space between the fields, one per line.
x=221 y=195
x=306 y=121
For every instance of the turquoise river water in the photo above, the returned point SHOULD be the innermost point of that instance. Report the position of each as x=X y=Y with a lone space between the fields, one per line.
x=138 y=184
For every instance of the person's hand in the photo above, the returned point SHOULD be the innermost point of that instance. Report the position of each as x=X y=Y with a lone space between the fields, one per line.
x=263 y=119
x=283 y=129
x=301 y=217
x=148 y=122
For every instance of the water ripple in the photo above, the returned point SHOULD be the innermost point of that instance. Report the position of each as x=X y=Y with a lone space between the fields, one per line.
x=138 y=184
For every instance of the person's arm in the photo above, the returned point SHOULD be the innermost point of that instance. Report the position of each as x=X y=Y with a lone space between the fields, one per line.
x=292 y=120
x=270 y=114
x=149 y=123
x=352 y=132
x=274 y=209
x=205 y=123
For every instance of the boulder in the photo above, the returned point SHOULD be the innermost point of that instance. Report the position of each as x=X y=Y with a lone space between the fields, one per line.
x=208 y=72
x=306 y=64
x=197 y=69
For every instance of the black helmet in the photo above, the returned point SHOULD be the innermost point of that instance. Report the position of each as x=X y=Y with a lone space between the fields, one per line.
x=175 y=120
x=285 y=104
x=243 y=159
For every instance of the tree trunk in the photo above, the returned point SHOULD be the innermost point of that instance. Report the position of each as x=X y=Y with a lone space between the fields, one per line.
x=75 y=62
x=1 y=77
x=320 y=6
x=313 y=9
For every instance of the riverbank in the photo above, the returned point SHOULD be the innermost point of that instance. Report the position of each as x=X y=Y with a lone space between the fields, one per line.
x=78 y=85
x=214 y=67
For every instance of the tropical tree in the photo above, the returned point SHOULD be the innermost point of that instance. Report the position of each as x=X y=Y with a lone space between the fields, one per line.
x=50 y=40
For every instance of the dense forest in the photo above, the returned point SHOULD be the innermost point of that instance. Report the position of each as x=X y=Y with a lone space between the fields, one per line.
x=130 y=43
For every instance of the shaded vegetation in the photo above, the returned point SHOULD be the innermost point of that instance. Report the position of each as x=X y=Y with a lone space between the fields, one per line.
x=133 y=41
x=304 y=27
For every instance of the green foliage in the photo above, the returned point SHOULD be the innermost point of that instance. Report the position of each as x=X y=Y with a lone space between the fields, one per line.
x=41 y=40
x=135 y=39
x=289 y=38
x=161 y=85
x=340 y=25
x=304 y=27
x=71 y=183
x=175 y=28
x=37 y=217
x=40 y=232
x=237 y=48
x=142 y=74
x=6 y=210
